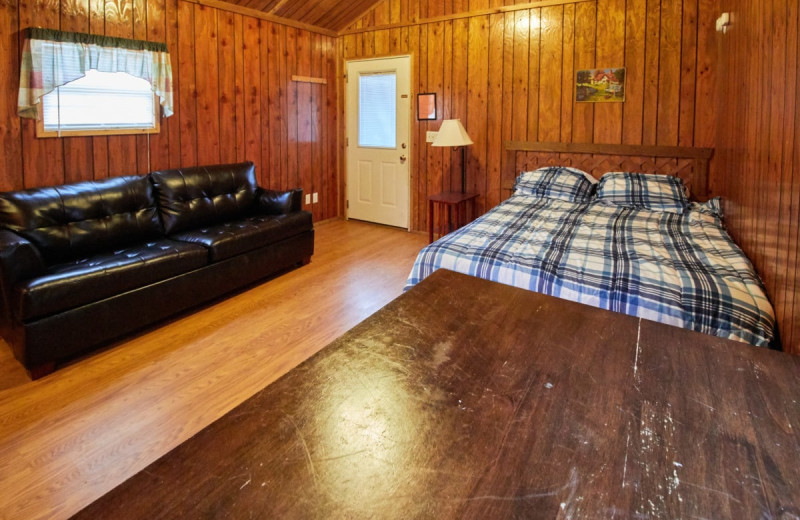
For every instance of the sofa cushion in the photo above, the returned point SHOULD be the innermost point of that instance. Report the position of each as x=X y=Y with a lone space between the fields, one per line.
x=77 y=220
x=239 y=236
x=204 y=195
x=76 y=283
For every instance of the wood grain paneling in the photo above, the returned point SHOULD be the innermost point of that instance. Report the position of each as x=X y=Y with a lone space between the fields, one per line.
x=252 y=89
x=231 y=73
x=122 y=149
x=610 y=52
x=583 y=113
x=226 y=56
x=494 y=98
x=77 y=151
x=275 y=97
x=10 y=125
x=208 y=74
x=265 y=71
x=158 y=143
x=759 y=146
x=477 y=111
x=172 y=124
x=510 y=75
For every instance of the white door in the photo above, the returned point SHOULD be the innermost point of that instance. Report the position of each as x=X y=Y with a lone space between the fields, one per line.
x=378 y=151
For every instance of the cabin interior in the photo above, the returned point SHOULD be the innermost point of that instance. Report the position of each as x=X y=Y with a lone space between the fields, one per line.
x=264 y=80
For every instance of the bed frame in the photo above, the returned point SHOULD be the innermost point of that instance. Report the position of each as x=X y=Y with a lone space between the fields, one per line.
x=690 y=164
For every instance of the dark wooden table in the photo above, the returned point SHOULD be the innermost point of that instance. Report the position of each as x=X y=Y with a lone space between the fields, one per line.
x=450 y=202
x=469 y=399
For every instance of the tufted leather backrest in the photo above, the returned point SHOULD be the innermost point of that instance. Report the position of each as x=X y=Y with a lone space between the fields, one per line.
x=204 y=195
x=76 y=220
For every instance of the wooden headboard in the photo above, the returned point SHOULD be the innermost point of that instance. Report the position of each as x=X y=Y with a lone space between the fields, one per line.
x=690 y=164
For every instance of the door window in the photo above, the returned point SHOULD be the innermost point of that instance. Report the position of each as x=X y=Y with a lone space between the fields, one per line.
x=377 y=110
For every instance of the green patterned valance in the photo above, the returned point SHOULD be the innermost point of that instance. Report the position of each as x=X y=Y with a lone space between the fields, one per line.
x=53 y=35
x=53 y=58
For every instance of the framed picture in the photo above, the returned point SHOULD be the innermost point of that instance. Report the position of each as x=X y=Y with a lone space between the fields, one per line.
x=426 y=106
x=600 y=85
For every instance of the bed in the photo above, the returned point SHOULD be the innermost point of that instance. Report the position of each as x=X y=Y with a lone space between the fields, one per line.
x=620 y=245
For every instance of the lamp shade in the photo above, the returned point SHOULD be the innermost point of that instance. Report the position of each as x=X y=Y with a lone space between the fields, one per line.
x=452 y=133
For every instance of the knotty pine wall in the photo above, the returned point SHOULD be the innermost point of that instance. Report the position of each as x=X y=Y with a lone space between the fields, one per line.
x=758 y=147
x=510 y=75
x=234 y=98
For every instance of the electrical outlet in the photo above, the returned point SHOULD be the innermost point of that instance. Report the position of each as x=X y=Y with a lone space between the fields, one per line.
x=315 y=197
x=308 y=198
x=430 y=136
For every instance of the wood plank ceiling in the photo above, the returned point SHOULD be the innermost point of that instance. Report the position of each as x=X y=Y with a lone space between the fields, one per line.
x=333 y=15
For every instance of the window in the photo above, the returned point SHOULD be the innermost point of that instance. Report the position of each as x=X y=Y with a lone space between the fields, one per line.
x=377 y=110
x=100 y=103
x=84 y=84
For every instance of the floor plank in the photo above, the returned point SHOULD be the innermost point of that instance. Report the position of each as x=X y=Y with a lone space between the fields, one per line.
x=70 y=437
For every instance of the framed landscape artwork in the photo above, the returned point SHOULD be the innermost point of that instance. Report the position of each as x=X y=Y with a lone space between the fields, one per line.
x=600 y=85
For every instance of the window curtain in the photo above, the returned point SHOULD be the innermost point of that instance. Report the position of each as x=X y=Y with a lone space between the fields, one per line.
x=53 y=58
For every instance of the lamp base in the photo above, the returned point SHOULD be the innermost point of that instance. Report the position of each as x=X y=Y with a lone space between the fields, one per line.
x=463 y=169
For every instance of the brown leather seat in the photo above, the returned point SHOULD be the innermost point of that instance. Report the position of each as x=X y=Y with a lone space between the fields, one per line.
x=237 y=237
x=76 y=221
x=75 y=283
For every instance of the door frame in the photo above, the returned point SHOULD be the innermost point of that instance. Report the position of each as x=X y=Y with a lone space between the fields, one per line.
x=412 y=195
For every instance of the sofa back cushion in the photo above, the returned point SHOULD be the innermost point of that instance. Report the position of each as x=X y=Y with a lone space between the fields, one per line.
x=77 y=220
x=190 y=198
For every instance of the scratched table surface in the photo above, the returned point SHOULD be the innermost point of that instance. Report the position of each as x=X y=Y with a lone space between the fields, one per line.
x=468 y=399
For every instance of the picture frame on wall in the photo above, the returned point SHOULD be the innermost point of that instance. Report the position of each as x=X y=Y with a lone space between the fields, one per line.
x=426 y=106
x=600 y=85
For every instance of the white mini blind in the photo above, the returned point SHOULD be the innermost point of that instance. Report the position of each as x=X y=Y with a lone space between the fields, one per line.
x=101 y=101
x=377 y=110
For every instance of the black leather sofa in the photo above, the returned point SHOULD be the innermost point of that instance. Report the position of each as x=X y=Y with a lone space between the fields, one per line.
x=85 y=263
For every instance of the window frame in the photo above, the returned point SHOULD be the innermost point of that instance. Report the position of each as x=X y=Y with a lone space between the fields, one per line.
x=41 y=132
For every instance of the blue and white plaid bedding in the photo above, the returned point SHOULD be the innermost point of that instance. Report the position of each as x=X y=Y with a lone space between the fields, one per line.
x=643 y=191
x=679 y=269
x=556 y=182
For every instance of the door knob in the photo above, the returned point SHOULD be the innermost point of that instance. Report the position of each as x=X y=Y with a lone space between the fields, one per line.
x=402 y=158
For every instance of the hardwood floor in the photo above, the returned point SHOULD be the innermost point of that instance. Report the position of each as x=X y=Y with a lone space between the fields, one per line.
x=70 y=437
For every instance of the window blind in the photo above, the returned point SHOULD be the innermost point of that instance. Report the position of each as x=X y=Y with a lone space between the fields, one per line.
x=377 y=110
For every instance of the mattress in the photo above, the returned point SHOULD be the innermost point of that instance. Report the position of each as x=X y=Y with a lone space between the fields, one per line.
x=679 y=269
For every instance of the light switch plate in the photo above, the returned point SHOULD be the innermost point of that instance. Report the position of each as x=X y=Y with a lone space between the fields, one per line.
x=430 y=136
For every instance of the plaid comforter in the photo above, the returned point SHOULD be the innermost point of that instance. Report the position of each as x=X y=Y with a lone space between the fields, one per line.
x=680 y=269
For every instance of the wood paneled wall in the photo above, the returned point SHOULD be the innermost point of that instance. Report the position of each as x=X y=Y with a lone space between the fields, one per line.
x=234 y=98
x=758 y=147
x=510 y=75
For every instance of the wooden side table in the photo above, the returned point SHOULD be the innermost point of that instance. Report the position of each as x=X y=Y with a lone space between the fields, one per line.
x=450 y=202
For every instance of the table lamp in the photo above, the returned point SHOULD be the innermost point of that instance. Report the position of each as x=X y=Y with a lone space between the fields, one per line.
x=452 y=133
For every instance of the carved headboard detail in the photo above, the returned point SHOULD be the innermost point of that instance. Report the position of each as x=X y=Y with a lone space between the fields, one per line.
x=690 y=164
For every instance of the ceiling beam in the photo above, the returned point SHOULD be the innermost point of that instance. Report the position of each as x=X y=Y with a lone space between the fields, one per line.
x=255 y=13
x=457 y=16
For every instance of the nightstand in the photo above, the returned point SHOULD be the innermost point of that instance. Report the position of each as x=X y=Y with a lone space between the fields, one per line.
x=450 y=202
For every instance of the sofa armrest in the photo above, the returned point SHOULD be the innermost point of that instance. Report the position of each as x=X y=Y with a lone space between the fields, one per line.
x=19 y=260
x=274 y=202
